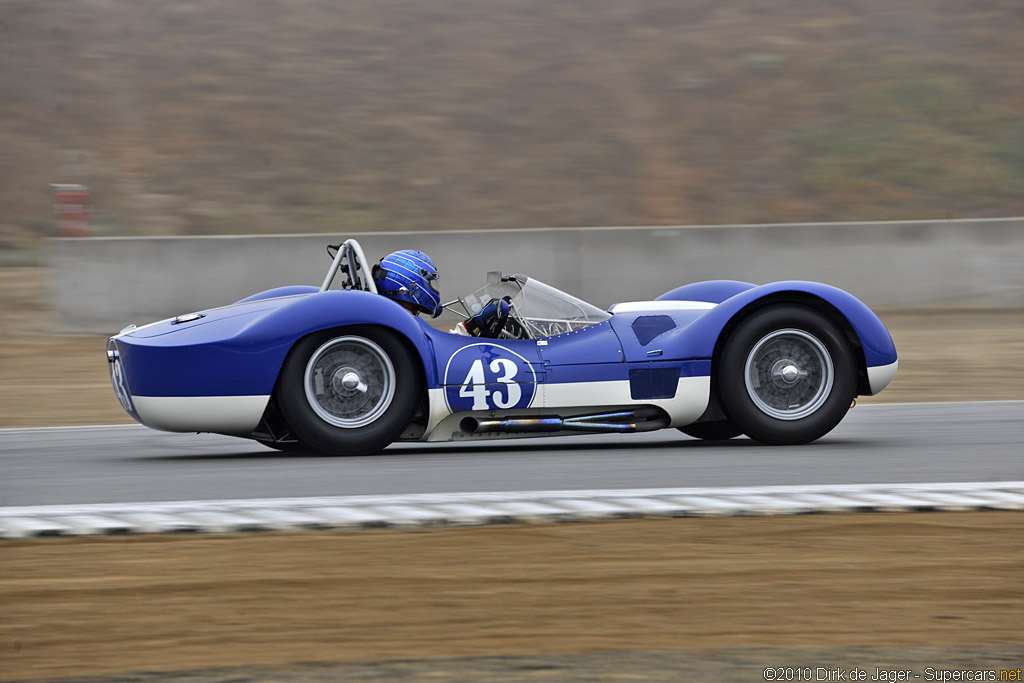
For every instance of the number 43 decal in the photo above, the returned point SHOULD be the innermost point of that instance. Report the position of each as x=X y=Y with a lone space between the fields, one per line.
x=488 y=376
x=475 y=385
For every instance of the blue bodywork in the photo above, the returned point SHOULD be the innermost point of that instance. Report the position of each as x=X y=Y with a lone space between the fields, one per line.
x=239 y=350
x=733 y=297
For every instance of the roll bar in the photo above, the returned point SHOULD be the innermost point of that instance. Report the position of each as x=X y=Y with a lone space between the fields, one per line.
x=350 y=252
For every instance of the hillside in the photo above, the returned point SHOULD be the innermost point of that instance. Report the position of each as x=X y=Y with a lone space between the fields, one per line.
x=225 y=116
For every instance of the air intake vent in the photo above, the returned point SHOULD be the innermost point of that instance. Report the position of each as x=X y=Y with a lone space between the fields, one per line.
x=647 y=327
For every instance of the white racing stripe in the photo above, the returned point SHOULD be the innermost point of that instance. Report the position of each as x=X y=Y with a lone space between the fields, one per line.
x=451 y=509
x=653 y=306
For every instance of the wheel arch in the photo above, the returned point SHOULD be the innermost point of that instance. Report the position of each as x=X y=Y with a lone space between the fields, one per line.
x=288 y=325
x=799 y=298
x=275 y=420
x=335 y=312
x=341 y=330
x=422 y=366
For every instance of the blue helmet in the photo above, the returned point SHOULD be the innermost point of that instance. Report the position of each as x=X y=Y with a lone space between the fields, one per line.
x=408 y=275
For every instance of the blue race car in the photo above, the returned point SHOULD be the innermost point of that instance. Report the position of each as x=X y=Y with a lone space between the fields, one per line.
x=348 y=371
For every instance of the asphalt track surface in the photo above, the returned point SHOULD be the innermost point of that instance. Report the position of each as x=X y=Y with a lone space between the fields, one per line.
x=897 y=443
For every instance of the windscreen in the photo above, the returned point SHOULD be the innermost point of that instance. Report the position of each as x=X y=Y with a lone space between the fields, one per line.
x=543 y=310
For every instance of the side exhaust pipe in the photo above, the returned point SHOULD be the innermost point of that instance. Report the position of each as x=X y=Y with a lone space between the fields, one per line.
x=625 y=421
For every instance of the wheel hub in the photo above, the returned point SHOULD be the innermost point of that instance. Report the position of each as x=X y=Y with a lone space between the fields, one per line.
x=346 y=380
x=786 y=372
x=789 y=374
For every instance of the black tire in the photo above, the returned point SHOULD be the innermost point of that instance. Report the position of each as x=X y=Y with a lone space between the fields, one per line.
x=712 y=431
x=786 y=375
x=366 y=402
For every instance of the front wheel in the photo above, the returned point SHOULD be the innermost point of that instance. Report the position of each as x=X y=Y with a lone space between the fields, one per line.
x=349 y=392
x=787 y=375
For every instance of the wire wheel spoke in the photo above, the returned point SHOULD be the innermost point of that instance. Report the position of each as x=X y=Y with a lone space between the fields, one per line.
x=789 y=374
x=349 y=382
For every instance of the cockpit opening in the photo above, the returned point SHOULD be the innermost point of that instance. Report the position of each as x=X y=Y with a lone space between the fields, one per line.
x=521 y=307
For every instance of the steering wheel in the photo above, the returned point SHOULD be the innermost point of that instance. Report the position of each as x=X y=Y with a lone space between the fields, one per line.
x=491 y=319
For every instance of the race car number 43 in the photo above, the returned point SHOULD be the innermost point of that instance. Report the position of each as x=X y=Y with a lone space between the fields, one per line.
x=488 y=377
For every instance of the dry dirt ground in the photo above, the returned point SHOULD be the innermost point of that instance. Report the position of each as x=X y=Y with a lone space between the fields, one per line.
x=682 y=599
x=708 y=599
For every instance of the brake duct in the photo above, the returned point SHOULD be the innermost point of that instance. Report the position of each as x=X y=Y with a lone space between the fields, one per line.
x=642 y=420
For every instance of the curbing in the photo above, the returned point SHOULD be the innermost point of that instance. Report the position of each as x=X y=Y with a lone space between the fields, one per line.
x=456 y=509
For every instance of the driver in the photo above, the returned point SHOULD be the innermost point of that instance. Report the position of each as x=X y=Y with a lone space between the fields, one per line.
x=408 y=276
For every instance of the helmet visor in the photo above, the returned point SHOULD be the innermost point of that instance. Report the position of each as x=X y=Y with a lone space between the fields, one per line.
x=431 y=278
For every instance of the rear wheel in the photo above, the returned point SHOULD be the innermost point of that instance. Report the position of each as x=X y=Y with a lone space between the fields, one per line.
x=787 y=375
x=349 y=392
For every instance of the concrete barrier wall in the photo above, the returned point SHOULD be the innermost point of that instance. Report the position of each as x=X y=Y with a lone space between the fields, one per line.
x=100 y=285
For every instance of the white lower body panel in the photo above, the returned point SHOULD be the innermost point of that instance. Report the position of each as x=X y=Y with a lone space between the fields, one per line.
x=880 y=376
x=689 y=403
x=235 y=415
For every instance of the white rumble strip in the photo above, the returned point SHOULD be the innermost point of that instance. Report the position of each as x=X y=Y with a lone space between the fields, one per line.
x=455 y=509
